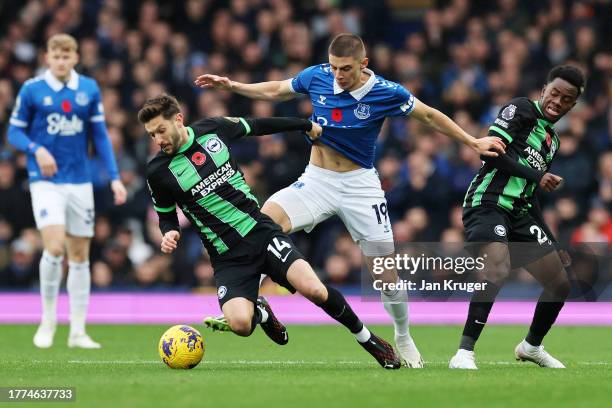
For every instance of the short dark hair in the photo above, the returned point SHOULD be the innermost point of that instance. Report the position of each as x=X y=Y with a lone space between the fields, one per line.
x=347 y=45
x=164 y=104
x=568 y=73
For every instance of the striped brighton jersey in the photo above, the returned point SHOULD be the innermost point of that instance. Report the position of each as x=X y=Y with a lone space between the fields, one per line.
x=532 y=141
x=204 y=180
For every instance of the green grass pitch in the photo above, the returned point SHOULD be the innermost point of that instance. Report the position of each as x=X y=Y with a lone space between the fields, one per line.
x=321 y=366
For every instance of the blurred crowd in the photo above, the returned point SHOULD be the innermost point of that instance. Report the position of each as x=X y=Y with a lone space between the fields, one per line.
x=466 y=58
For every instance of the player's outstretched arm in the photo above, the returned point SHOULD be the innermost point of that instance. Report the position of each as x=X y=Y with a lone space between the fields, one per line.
x=235 y=128
x=269 y=91
x=510 y=166
x=266 y=126
x=486 y=146
x=547 y=181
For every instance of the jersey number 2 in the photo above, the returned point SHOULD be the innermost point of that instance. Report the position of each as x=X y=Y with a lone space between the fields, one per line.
x=540 y=235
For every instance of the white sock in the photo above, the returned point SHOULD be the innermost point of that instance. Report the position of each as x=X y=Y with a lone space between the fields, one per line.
x=264 y=314
x=395 y=303
x=50 y=278
x=78 y=284
x=363 y=335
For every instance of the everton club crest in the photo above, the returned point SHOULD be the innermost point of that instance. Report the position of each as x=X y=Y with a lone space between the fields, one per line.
x=362 y=111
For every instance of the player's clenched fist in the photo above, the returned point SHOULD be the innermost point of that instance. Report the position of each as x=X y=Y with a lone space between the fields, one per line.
x=315 y=132
x=490 y=146
x=213 y=81
x=550 y=182
x=170 y=241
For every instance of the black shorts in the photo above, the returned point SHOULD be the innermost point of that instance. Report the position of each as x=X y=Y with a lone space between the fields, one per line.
x=525 y=237
x=266 y=249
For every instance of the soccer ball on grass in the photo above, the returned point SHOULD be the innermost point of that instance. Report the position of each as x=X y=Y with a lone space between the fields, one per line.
x=181 y=346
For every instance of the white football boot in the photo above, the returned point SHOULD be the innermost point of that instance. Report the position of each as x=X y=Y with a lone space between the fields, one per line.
x=83 y=341
x=408 y=351
x=464 y=360
x=44 y=335
x=536 y=354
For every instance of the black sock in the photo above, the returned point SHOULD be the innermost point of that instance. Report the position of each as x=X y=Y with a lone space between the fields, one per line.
x=478 y=313
x=256 y=319
x=337 y=307
x=545 y=314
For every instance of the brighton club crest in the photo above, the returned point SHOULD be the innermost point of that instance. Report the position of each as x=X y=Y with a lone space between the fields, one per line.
x=213 y=145
x=362 y=111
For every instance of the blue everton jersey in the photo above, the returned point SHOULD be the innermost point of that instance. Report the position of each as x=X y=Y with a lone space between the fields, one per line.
x=60 y=116
x=352 y=120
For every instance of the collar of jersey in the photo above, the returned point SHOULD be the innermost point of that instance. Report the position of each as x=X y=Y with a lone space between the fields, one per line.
x=359 y=93
x=537 y=104
x=189 y=141
x=57 y=85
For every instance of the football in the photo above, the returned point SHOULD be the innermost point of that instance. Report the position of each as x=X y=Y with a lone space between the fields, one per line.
x=181 y=346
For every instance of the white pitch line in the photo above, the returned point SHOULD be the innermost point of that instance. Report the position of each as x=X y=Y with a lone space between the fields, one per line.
x=241 y=362
x=582 y=363
x=287 y=362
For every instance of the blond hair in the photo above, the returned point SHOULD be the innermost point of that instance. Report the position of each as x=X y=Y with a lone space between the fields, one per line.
x=63 y=42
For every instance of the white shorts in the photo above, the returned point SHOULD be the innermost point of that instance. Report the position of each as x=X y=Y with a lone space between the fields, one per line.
x=355 y=196
x=71 y=205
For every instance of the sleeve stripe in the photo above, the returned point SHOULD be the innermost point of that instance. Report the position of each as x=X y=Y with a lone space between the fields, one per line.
x=408 y=107
x=501 y=132
x=18 y=123
x=165 y=209
x=97 y=118
x=291 y=86
x=246 y=126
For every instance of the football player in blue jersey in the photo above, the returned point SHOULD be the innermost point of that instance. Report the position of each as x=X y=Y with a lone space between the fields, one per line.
x=54 y=117
x=351 y=103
